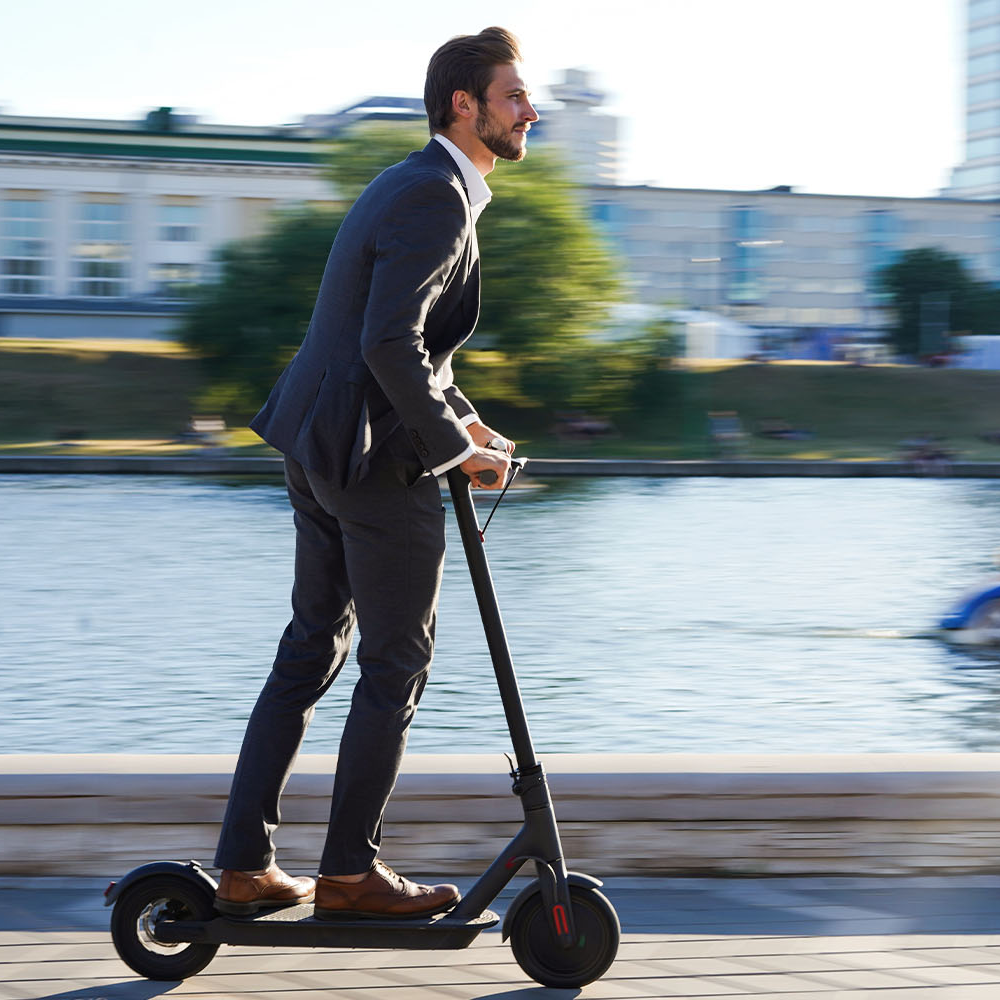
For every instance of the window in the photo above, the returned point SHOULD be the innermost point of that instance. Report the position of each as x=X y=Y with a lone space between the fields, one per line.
x=170 y=281
x=976 y=149
x=980 y=121
x=100 y=250
x=747 y=265
x=882 y=227
x=610 y=214
x=985 y=90
x=988 y=62
x=987 y=34
x=814 y=223
x=981 y=8
x=685 y=219
x=24 y=246
x=845 y=255
x=978 y=177
x=178 y=223
x=644 y=248
x=846 y=224
x=814 y=254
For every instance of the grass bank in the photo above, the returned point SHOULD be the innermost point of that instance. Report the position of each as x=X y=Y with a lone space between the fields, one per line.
x=834 y=410
x=125 y=397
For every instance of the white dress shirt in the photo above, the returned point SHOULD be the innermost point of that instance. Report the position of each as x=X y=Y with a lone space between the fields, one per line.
x=479 y=198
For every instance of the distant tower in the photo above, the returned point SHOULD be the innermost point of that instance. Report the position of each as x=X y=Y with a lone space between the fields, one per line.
x=979 y=175
x=587 y=138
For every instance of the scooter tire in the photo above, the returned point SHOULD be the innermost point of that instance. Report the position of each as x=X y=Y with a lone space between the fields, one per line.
x=598 y=933
x=133 y=927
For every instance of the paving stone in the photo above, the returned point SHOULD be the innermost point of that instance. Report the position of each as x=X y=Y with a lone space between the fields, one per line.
x=958 y=974
x=771 y=985
x=54 y=943
x=871 y=979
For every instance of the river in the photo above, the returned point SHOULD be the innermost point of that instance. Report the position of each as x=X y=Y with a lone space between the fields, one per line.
x=140 y=614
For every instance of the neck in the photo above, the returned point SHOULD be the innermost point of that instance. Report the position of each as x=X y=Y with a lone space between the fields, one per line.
x=470 y=144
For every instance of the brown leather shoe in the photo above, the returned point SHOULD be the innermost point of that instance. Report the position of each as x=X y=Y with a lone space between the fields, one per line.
x=383 y=893
x=240 y=893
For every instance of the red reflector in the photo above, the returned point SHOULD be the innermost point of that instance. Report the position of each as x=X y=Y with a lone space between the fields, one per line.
x=559 y=919
x=107 y=892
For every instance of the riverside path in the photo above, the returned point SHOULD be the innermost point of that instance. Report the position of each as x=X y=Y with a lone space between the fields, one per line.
x=898 y=939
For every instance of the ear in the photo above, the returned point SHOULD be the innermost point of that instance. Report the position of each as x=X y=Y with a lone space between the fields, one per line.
x=463 y=104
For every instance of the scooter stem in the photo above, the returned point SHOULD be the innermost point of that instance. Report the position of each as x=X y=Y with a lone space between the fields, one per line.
x=489 y=611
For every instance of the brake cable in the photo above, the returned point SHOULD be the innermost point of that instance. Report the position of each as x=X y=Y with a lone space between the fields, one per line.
x=515 y=468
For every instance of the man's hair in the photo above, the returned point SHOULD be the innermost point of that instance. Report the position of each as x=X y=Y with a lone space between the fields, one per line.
x=466 y=62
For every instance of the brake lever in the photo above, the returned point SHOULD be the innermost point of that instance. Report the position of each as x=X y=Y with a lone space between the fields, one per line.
x=488 y=477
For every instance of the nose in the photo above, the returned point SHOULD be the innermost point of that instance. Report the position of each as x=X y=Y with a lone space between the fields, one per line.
x=531 y=114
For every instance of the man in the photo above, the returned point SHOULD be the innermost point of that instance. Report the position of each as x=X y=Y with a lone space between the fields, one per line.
x=367 y=415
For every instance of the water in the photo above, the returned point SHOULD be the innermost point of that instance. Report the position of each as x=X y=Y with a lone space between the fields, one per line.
x=789 y=615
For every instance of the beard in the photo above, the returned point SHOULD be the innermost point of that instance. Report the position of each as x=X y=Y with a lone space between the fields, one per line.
x=496 y=139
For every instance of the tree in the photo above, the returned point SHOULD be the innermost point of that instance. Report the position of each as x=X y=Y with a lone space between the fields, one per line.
x=247 y=325
x=547 y=284
x=548 y=279
x=933 y=295
x=362 y=152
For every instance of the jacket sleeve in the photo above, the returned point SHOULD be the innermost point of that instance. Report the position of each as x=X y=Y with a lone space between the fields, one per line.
x=419 y=250
x=457 y=400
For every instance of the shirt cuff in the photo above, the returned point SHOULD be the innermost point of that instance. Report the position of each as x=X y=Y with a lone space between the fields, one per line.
x=470 y=418
x=457 y=460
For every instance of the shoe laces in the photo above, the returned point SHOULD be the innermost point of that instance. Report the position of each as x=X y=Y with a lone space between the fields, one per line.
x=396 y=880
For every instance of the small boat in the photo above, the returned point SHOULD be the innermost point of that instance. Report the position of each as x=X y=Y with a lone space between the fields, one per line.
x=975 y=618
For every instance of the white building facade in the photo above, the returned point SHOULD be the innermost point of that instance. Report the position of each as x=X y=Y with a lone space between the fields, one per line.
x=103 y=223
x=585 y=136
x=795 y=263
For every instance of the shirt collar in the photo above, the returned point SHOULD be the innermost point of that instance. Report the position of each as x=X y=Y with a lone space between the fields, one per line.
x=475 y=184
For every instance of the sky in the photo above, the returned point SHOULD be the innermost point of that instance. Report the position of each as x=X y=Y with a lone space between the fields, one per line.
x=829 y=96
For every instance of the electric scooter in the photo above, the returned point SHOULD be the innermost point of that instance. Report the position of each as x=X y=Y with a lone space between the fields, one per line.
x=562 y=930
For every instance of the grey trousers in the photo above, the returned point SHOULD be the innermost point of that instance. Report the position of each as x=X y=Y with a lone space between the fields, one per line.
x=370 y=554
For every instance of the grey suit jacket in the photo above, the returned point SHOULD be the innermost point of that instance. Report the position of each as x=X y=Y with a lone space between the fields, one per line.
x=399 y=294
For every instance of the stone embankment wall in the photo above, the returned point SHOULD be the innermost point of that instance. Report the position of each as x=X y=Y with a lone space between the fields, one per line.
x=850 y=814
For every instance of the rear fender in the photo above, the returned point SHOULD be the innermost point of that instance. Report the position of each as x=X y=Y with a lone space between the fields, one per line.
x=190 y=870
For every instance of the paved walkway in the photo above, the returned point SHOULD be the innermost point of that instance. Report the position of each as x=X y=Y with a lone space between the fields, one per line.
x=898 y=939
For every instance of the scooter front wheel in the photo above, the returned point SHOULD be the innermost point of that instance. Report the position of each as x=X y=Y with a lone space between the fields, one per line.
x=540 y=956
x=133 y=927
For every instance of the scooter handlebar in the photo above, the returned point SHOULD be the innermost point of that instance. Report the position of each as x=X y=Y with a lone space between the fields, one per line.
x=488 y=477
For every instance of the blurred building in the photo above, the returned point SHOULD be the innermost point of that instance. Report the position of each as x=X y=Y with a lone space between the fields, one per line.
x=801 y=267
x=979 y=175
x=103 y=223
x=586 y=137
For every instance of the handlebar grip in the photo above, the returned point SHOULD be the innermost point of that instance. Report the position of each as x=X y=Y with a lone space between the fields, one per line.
x=487 y=477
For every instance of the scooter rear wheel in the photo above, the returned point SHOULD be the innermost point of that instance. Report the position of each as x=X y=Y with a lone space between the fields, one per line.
x=597 y=930
x=133 y=927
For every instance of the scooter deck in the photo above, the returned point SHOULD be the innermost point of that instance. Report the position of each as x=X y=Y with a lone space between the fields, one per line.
x=295 y=926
